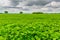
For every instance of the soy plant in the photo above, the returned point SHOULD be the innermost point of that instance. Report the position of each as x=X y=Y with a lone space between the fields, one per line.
x=29 y=27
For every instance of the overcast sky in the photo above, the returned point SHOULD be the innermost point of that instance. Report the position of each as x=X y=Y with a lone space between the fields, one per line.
x=30 y=5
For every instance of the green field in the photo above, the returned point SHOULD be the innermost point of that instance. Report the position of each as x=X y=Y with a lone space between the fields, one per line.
x=29 y=26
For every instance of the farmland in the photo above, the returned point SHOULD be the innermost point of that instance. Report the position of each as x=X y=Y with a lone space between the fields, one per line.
x=29 y=26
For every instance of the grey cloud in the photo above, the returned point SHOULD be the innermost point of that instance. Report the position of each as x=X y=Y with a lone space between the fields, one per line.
x=15 y=8
x=30 y=2
x=38 y=2
x=16 y=2
x=7 y=7
x=57 y=0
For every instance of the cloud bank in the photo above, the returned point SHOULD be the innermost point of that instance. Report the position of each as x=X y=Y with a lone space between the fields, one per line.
x=30 y=5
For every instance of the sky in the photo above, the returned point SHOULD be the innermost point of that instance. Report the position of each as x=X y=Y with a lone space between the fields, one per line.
x=15 y=6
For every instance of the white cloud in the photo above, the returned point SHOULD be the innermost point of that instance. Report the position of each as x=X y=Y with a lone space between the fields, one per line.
x=44 y=8
x=51 y=7
x=53 y=4
x=5 y=3
x=22 y=4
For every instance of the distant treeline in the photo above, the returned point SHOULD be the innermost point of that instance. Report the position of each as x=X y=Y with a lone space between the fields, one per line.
x=21 y=12
x=6 y=12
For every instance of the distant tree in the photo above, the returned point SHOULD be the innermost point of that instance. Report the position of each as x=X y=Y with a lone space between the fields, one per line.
x=21 y=12
x=5 y=12
x=37 y=13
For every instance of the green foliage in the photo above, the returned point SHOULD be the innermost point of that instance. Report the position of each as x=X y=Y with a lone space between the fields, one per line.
x=5 y=12
x=21 y=12
x=29 y=27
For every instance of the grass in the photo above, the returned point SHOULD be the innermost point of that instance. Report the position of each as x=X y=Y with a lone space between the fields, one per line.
x=29 y=26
